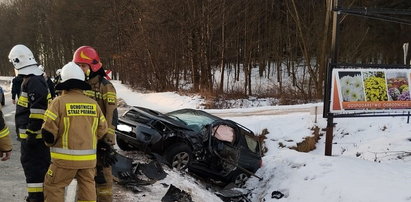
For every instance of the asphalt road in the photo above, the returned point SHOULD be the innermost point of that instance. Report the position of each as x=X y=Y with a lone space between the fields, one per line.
x=12 y=180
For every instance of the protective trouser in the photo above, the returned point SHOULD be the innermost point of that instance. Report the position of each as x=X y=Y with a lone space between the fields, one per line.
x=105 y=190
x=35 y=161
x=58 y=178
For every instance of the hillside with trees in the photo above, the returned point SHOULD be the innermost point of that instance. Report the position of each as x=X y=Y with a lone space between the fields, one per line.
x=156 y=44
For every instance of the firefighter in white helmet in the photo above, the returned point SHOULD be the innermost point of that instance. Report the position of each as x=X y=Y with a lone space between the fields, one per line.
x=30 y=108
x=73 y=125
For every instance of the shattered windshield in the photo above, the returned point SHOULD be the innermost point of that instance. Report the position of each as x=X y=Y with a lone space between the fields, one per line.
x=195 y=120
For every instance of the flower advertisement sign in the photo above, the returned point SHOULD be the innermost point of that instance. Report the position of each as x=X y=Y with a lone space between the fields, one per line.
x=370 y=90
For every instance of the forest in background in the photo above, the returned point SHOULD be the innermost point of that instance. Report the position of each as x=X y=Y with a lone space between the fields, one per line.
x=156 y=44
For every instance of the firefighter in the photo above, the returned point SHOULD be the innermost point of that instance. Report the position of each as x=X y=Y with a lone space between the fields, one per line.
x=57 y=79
x=73 y=124
x=49 y=82
x=5 y=140
x=104 y=93
x=30 y=108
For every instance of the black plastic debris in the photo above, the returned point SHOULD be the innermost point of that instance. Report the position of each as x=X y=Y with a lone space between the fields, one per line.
x=233 y=194
x=123 y=164
x=277 y=195
x=175 y=194
x=153 y=170
x=128 y=173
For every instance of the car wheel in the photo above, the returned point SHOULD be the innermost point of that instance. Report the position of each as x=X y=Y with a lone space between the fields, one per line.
x=123 y=145
x=178 y=156
x=239 y=179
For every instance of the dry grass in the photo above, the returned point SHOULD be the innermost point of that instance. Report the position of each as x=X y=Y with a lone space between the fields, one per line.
x=309 y=142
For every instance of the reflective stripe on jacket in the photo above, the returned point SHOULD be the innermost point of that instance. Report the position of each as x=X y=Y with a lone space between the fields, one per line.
x=76 y=122
x=104 y=93
x=5 y=140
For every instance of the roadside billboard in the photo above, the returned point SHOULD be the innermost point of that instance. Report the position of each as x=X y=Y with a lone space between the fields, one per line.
x=355 y=90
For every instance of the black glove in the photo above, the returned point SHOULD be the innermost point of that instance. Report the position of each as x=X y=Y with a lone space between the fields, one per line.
x=106 y=153
x=31 y=139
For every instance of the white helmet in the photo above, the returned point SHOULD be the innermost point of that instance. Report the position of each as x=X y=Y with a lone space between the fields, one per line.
x=41 y=68
x=58 y=72
x=72 y=77
x=23 y=60
x=72 y=71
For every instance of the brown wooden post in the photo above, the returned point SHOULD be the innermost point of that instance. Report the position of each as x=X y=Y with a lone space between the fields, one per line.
x=329 y=136
x=334 y=57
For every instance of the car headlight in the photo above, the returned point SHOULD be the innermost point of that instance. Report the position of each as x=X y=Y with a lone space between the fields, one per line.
x=124 y=128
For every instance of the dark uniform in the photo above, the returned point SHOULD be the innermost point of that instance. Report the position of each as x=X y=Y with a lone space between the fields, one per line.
x=35 y=156
x=104 y=93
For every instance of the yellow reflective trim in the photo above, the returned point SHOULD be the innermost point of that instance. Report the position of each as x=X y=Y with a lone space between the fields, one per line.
x=50 y=172
x=93 y=94
x=110 y=97
x=37 y=116
x=111 y=93
x=111 y=131
x=4 y=132
x=102 y=118
x=64 y=138
x=23 y=101
x=24 y=136
x=50 y=114
x=34 y=189
x=81 y=109
x=104 y=191
x=111 y=100
x=73 y=157
x=93 y=132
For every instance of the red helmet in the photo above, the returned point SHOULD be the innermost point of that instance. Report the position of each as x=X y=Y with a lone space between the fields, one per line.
x=87 y=55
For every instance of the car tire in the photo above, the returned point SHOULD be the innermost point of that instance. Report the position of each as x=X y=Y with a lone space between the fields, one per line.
x=178 y=156
x=239 y=178
x=123 y=145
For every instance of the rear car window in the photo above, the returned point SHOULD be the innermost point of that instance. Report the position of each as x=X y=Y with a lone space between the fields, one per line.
x=252 y=144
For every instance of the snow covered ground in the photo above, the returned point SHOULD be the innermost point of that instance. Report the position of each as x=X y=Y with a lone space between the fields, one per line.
x=371 y=156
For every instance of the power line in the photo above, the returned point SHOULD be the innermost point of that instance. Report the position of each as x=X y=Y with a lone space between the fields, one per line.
x=376 y=14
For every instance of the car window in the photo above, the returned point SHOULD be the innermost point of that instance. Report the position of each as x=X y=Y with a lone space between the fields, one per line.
x=252 y=144
x=192 y=119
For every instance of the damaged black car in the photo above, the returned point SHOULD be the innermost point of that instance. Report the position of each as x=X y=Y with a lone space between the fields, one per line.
x=208 y=146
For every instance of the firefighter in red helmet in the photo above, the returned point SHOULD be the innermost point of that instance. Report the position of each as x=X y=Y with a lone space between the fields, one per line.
x=104 y=93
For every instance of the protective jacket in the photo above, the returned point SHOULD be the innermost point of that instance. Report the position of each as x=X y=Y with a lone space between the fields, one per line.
x=5 y=140
x=35 y=156
x=76 y=122
x=104 y=93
